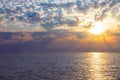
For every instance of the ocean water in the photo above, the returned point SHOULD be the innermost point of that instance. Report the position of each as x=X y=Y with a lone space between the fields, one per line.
x=60 y=66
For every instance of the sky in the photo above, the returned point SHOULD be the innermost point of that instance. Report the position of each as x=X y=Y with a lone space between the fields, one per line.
x=60 y=25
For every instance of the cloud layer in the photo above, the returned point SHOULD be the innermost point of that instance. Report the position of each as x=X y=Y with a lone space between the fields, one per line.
x=42 y=41
x=37 y=15
x=58 y=25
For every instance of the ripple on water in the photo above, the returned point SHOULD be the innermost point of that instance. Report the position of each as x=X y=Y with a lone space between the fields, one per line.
x=76 y=66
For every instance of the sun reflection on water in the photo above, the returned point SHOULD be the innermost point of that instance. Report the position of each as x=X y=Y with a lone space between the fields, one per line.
x=96 y=56
x=95 y=64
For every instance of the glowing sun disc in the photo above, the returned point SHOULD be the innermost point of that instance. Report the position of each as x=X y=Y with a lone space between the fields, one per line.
x=98 y=28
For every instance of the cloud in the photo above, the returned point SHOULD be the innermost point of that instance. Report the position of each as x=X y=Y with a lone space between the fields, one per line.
x=72 y=43
x=22 y=37
x=32 y=16
x=59 y=26
x=40 y=41
x=8 y=38
x=81 y=14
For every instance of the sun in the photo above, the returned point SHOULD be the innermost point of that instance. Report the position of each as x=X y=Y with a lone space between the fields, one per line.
x=98 y=28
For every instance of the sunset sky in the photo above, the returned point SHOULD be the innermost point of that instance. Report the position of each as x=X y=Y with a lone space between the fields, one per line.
x=60 y=25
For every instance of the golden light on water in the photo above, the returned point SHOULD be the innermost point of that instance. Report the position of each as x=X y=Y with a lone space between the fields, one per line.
x=96 y=56
x=98 y=28
x=96 y=67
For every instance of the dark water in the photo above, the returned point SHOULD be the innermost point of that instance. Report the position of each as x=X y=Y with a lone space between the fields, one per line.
x=60 y=66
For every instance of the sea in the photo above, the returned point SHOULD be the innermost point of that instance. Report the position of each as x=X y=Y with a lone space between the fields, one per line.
x=60 y=66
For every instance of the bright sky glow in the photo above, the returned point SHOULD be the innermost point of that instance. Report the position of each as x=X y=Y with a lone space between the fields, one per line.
x=98 y=28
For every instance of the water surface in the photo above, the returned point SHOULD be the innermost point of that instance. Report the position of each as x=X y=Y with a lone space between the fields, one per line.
x=60 y=66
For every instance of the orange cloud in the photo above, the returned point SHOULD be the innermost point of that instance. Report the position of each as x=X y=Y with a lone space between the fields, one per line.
x=95 y=43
